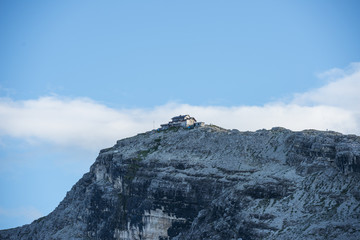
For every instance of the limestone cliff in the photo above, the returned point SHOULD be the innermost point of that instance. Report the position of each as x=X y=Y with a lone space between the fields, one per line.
x=212 y=183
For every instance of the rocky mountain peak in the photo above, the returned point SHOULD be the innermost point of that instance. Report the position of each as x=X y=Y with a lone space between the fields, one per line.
x=212 y=183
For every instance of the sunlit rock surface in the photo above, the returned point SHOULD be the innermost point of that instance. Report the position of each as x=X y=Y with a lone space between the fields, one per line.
x=212 y=183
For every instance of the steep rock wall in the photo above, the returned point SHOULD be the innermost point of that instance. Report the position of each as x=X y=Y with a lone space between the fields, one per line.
x=212 y=183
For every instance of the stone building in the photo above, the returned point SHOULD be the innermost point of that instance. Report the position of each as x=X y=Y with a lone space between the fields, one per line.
x=184 y=121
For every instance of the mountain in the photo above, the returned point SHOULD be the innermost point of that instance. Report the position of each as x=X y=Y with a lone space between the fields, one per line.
x=213 y=183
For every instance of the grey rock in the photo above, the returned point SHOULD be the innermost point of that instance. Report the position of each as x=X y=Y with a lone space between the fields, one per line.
x=213 y=183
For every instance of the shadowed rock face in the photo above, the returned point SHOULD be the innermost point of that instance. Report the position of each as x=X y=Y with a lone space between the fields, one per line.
x=212 y=183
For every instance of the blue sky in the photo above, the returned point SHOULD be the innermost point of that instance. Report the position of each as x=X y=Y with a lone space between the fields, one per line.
x=75 y=76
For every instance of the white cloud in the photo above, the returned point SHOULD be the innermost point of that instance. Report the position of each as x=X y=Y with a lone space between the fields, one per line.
x=79 y=122
x=342 y=92
x=83 y=122
x=337 y=73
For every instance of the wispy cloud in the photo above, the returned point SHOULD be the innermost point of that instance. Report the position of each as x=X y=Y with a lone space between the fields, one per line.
x=343 y=92
x=28 y=213
x=338 y=73
x=86 y=123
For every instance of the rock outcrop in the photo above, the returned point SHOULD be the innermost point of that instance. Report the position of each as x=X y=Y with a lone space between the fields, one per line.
x=212 y=183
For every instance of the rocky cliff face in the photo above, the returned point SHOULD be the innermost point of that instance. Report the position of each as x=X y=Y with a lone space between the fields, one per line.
x=212 y=183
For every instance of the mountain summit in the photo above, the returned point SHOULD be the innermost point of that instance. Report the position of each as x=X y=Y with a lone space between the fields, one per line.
x=207 y=182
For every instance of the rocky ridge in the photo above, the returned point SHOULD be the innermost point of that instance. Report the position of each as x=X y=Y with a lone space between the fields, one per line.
x=213 y=183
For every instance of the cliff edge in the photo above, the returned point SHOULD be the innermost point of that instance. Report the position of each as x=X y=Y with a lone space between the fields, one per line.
x=213 y=183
